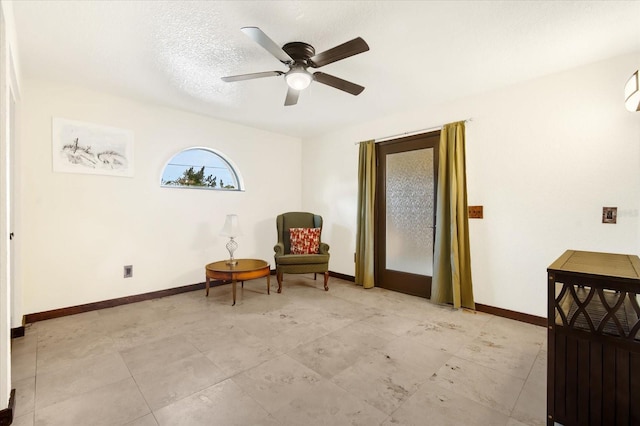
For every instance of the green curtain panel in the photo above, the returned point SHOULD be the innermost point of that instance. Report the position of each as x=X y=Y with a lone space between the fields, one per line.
x=366 y=209
x=452 y=260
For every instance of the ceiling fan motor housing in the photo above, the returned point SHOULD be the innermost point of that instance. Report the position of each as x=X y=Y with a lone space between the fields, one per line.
x=299 y=51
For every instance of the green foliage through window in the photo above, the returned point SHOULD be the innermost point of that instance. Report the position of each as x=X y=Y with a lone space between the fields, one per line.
x=200 y=168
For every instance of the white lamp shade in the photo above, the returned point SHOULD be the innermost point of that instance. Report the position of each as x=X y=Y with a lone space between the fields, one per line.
x=298 y=79
x=231 y=226
x=632 y=93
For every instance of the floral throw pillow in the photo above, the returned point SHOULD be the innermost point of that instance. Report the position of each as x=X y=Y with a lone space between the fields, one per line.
x=304 y=240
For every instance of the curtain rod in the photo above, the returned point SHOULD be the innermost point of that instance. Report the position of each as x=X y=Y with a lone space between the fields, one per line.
x=414 y=132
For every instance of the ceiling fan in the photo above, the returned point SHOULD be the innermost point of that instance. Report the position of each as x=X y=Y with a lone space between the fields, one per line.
x=299 y=56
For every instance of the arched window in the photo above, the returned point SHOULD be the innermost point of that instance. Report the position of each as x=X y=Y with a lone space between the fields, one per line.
x=203 y=168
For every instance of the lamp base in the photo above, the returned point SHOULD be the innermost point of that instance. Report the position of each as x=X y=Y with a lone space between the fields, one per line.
x=231 y=246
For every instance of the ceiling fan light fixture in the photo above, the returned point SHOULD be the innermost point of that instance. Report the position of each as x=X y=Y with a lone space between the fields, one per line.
x=298 y=78
x=632 y=93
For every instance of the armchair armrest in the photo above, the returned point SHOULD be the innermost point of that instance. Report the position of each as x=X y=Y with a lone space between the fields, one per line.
x=279 y=249
x=324 y=248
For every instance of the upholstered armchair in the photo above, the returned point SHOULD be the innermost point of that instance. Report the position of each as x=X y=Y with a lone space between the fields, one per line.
x=288 y=262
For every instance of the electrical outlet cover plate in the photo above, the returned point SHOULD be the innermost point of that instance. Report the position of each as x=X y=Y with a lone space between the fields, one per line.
x=128 y=271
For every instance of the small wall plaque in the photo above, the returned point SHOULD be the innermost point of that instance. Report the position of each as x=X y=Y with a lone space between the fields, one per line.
x=475 y=212
x=609 y=214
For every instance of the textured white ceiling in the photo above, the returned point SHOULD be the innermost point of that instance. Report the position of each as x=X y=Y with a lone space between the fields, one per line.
x=422 y=52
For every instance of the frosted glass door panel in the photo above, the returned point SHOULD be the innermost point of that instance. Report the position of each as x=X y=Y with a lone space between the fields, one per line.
x=410 y=190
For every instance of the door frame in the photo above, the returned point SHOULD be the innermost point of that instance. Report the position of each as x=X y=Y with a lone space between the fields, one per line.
x=415 y=284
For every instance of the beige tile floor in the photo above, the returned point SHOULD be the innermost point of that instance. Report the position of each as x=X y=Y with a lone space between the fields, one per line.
x=304 y=357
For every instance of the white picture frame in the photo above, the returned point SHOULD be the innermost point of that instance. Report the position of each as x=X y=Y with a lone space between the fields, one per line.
x=88 y=148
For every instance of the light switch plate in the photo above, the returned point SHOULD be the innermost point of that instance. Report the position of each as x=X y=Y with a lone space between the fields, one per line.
x=609 y=214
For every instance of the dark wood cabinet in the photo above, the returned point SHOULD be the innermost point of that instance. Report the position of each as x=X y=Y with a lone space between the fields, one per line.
x=593 y=372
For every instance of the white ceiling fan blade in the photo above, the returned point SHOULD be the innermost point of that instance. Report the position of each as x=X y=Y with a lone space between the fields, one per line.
x=251 y=76
x=292 y=97
x=257 y=35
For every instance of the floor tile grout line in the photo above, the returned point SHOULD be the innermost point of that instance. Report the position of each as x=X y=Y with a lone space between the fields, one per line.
x=253 y=399
x=457 y=354
x=35 y=382
x=524 y=379
x=137 y=385
x=497 y=371
x=525 y=382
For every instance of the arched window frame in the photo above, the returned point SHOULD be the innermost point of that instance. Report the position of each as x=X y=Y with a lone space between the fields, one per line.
x=231 y=165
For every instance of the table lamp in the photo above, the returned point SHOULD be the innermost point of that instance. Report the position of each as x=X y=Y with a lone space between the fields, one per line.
x=231 y=229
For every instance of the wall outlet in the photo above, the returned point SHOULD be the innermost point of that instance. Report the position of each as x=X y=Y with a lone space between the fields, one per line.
x=128 y=271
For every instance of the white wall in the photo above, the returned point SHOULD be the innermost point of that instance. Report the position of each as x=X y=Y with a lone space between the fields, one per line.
x=80 y=230
x=543 y=158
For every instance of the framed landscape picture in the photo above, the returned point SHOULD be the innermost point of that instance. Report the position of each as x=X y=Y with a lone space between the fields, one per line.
x=80 y=147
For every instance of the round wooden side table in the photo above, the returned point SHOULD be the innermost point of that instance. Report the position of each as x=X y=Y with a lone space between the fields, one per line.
x=244 y=270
